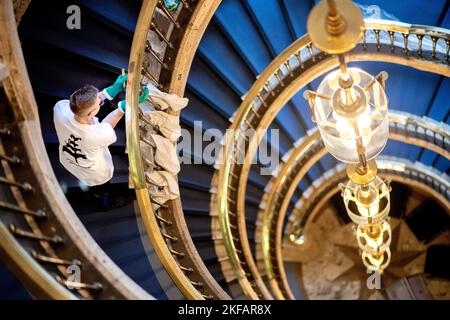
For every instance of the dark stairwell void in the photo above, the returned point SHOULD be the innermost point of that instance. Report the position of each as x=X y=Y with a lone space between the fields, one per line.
x=428 y=221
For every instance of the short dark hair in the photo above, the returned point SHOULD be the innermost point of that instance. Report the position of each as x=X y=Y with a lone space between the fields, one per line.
x=83 y=99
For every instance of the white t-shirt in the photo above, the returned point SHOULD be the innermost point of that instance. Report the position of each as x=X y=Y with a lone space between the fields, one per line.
x=83 y=148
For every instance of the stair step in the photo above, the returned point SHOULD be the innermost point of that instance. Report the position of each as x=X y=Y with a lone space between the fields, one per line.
x=85 y=41
x=121 y=14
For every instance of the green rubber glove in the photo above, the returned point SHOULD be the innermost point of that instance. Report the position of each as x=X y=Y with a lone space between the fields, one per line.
x=117 y=87
x=144 y=95
x=171 y=4
x=122 y=105
x=142 y=98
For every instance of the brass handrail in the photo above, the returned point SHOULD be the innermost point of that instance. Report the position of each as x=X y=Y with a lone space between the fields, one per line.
x=269 y=94
x=32 y=273
x=202 y=13
x=195 y=18
x=296 y=167
x=398 y=169
x=37 y=203
x=134 y=151
x=423 y=179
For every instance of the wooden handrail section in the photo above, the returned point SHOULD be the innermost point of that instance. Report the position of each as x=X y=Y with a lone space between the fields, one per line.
x=20 y=119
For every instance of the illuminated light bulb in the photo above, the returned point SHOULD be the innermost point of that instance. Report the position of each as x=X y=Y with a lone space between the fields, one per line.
x=371 y=210
x=374 y=239
x=374 y=242
x=297 y=237
x=367 y=206
x=377 y=262
x=347 y=131
x=297 y=240
x=363 y=122
x=359 y=103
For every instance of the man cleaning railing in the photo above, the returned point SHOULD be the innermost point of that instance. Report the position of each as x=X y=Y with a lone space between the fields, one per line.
x=84 y=141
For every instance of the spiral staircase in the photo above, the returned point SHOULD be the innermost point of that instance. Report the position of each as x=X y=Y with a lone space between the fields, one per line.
x=226 y=238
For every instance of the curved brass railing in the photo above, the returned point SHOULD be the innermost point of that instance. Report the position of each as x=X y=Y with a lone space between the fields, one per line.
x=167 y=228
x=415 y=174
x=44 y=235
x=403 y=127
x=421 y=178
x=298 y=65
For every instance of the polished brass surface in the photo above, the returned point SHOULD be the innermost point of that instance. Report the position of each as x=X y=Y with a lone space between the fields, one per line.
x=361 y=178
x=294 y=158
x=156 y=237
x=366 y=197
x=381 y=78
x=352 y=109
x=189 y=26
x=189 y=44
x=226 y=173
x=56 y=239
x=306 y=71
x=45 y=210
x=310 y=207
x=36 y=279
x=335 y=33
x=342 y=63
x=134 y=153
x=335 y=23
x=396 y=169
x=200 y=13
x=133 y=91
x=271 y=251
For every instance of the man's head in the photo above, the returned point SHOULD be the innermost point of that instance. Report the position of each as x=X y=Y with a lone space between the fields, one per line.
x=85 y=101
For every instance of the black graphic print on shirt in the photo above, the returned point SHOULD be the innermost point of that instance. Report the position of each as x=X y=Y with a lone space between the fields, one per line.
x=71 y=148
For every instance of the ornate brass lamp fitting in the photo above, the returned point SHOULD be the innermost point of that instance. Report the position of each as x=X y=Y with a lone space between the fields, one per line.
x=362 y=176
x=335 y=26
x=350 y=109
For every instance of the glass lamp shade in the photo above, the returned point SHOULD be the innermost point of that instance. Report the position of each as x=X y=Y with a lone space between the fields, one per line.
x=367 y=207
x=357 y=113
x=377 y=262
x=374 y=239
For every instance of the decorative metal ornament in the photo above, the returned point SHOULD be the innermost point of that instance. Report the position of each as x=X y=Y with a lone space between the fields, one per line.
x=171 y=4
x=350 y=109
x=351 y=113
x=368 y=204
x=362 y=176
x=335 y=26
